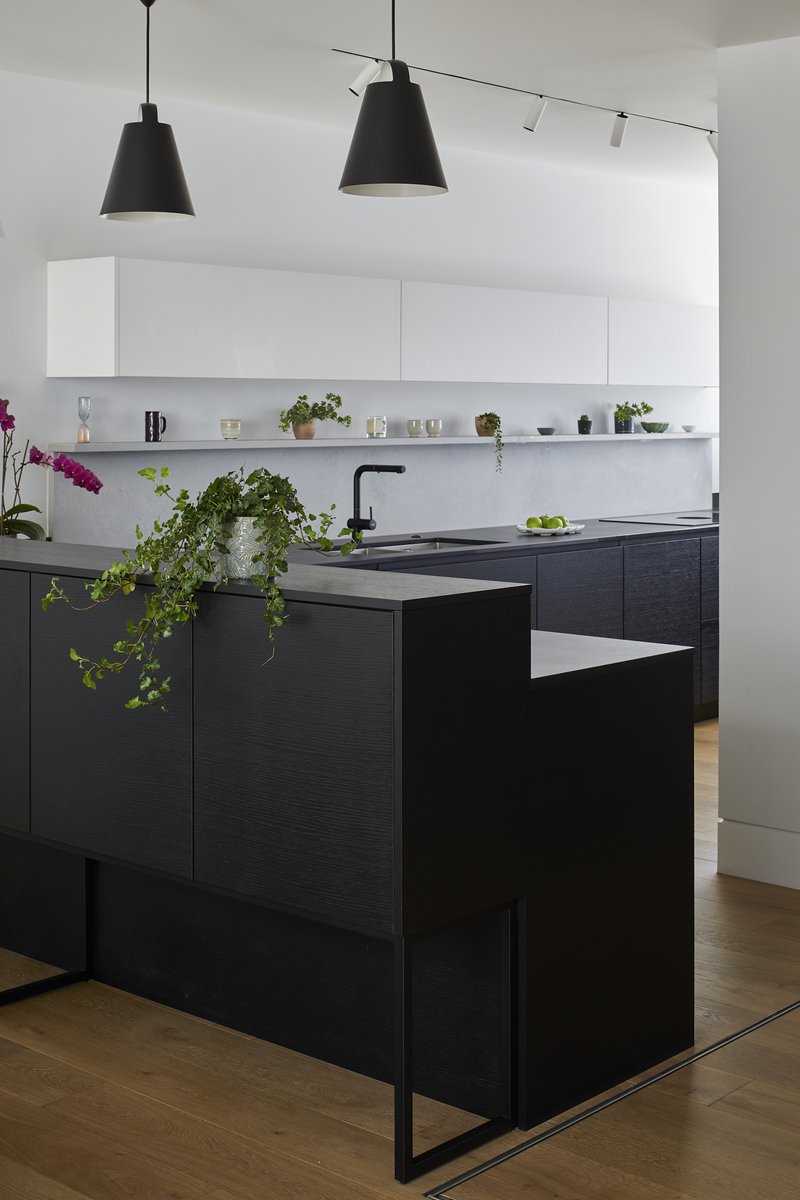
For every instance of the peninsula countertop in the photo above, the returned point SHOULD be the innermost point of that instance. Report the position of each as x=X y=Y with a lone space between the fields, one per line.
x=310 y=583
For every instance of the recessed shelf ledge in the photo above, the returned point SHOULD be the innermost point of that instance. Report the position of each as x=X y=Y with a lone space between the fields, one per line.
x=361 y=443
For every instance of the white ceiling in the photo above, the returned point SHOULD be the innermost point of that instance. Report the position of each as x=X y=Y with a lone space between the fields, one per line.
x=649 y=56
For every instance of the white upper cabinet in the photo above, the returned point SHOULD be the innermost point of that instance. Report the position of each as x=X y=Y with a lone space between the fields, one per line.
x=494 y=335
x=650 y=342
x=138 y=317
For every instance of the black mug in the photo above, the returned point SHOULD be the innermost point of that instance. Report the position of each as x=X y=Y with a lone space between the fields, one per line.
x=154 y=426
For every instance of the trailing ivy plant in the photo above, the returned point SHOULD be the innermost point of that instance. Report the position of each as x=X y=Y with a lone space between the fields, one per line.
x=182 y=553
x=491 y=421
x=320 y=410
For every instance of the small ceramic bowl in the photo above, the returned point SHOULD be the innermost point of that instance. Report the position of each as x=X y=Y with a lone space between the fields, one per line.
x=655 y=426
x=545 y=430
x=688 y=428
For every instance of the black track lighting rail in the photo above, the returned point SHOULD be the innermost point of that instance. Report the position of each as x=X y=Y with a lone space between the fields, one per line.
x=505 y=87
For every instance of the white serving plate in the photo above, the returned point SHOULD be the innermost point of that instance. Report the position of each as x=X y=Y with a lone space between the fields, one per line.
x=560 y=532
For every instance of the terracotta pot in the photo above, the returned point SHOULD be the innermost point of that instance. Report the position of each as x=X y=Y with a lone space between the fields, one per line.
x=482 y=428
x=304 y=429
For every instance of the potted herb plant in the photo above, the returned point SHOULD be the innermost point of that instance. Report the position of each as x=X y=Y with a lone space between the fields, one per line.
x=301 y=418
x=624 y=414
x=240 y=526
x=488 y=425
x=584 y=424
x=14 y=517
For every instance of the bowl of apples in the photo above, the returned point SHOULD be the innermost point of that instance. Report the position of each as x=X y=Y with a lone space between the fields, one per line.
x=547 y=526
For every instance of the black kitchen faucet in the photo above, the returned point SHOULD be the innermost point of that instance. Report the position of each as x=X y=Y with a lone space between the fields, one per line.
x=358 y=523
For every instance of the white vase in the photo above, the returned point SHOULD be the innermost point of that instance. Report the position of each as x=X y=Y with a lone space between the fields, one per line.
x=243 y=543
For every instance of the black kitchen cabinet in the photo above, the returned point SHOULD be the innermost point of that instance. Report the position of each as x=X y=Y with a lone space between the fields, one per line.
x=505 y=570
x=318 y=840
x=609 y=882
x=14 y=697
x=580 y=591
x=106 y=780
x=662 y=596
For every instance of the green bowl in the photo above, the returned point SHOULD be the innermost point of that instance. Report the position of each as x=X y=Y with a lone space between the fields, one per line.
x=655 y=426
x=546 y=430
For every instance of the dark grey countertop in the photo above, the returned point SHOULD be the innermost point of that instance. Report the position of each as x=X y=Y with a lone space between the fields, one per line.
x=501 y=541
x=315 y=584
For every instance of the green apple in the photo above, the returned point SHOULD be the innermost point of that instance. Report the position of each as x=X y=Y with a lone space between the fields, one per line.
x=563 y=521
x=552 y=523
x=534 y=522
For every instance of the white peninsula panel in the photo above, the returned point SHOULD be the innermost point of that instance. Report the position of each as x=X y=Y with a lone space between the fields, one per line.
x=496 y=335
x=653 y=342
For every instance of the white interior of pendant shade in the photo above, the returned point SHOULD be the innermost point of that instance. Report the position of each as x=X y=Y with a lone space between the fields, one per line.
x=392 y=189
x=147 y=216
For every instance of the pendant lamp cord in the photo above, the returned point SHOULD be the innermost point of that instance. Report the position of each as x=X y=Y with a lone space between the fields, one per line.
x=147 y=58
x=393 y=45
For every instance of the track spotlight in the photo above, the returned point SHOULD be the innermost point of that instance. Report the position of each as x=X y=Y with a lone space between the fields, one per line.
x=712 y=141
x=618 y=132
x=364 y=78
x=535 y=115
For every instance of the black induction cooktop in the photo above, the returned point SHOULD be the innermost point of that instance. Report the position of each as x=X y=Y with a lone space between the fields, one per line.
x=706 y=516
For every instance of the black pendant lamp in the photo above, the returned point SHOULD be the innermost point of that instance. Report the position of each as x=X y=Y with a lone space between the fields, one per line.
x=393 y=151
x=147 y=181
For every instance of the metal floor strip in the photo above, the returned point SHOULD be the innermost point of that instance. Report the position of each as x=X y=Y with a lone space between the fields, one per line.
x=440 y=1192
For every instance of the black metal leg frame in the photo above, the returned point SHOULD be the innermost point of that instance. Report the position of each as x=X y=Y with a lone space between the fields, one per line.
x=70 y=975
x=409 y=1166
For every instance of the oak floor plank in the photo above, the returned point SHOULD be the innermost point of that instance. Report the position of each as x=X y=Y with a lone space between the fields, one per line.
x=20 y=1182
x=260 y=1103
x=54 y=1146
x=17 y=969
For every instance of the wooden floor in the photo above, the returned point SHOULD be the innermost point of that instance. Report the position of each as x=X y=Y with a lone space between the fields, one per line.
x=105 y=1096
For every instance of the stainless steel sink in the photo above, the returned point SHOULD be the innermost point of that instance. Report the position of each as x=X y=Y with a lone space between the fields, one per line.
x=414 y=546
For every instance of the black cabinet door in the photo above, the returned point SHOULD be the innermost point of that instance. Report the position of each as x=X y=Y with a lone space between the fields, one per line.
x=503 y=570
x=709 y=607
x=104 y=779
x=294 y=760
x=14 y=700
x=580 y=591
x=710 y=662
x=709 y=575
x=662 y=595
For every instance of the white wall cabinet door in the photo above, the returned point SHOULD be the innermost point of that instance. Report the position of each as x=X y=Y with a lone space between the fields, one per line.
x=183 y=319
x=651 y=342
x=493 y=335
x=138 y=317
x=82 y=317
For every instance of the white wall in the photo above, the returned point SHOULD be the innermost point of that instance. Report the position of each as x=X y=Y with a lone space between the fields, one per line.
x=266 y=193
x=760 y=566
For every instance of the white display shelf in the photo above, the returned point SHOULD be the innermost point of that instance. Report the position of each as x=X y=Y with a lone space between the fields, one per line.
x=362 y=443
